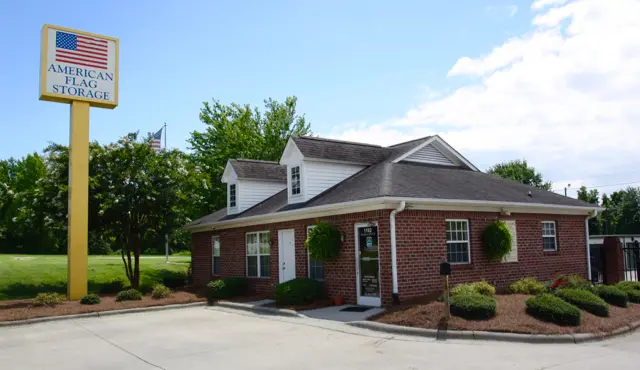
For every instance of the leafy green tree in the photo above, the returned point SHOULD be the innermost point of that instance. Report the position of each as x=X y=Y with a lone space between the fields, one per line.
x=518 y=170
x=591 y=196
x=240 y=131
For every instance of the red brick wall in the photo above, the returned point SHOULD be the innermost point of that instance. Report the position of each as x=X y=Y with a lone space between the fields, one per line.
x=340 y=275
x=421 y=246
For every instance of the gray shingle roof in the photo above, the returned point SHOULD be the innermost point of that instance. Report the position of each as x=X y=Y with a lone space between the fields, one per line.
x=335 y=150
x=259 y=170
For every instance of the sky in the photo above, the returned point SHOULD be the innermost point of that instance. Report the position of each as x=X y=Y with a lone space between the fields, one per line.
x=554 y=82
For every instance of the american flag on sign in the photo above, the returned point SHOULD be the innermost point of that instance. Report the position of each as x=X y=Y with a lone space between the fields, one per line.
x=156 y=140
x=81 y=50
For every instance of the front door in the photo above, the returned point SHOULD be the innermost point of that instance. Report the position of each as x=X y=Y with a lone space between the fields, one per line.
x=286 y=255
x=367 y=264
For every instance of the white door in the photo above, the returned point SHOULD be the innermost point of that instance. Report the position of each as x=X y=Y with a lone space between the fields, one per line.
x=286 y=255
x=367 y=264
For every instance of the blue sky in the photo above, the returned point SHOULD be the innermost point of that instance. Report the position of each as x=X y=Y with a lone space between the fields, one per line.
x=376 y=71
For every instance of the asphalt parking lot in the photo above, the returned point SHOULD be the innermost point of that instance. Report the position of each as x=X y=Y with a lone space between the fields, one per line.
x=215 y=338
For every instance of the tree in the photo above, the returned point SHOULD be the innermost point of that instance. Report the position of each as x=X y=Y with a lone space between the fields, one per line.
x=240 y=131
x=518 y=170
x=591 y=196
x=140 y=195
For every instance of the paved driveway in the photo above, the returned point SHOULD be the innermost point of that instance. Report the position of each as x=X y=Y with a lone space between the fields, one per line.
x=212 y=338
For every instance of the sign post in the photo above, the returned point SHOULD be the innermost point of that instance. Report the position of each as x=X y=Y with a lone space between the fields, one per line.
x=80 y=69
x=445 y=270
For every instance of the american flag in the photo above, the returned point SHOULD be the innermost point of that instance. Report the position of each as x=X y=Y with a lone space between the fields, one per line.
x=156 y=140
x=81 y=50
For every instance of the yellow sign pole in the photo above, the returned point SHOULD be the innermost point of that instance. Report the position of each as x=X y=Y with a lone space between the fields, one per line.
x=78 y=231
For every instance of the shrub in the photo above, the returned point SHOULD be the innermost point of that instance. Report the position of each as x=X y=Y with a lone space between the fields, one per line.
x=628 y=287
x=129 y=295
x=585 y=300
x=572 y=281
x=613 y=295
x=298 y=291
x=146 y=286
x=548 y=307
x=174 y=281
x=496 y=241
x=473 y=306
x=160 y=291
x=323 y=242
x=113 y=286
x=48 y=299
x=480 y=287
x=528 y=285
x=226 y=288
x=90 y=299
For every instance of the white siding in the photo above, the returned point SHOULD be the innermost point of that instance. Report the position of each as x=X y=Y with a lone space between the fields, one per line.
x=430 y=154
x=320 y=176
x=250 y=192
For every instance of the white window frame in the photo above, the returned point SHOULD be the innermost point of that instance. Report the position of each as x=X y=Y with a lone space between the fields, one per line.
x=309 y=257
x=554 y=236
x=213 y=255
x=258 y=254
x=299 y=188
x=468 y=241
x=233 y=200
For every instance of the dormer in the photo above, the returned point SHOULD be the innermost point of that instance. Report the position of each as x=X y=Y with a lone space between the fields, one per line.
x=315 y=165
x=249 y=182
x=435 y=151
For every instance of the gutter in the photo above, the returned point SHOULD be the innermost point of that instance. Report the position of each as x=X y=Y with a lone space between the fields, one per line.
x=394 y=267
x=591 y=215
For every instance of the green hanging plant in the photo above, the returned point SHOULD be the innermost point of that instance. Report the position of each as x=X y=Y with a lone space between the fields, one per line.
x=496 y=240
x=323 y=242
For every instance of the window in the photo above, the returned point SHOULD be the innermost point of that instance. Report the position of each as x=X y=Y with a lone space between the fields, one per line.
x=258 y=251
x=215 y=254
x=458 y=241
x=549 y=236
x=316 y=268
x=232 y=195
x=295 y=180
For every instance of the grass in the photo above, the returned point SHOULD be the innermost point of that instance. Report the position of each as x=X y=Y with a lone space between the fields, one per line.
x=24 y=276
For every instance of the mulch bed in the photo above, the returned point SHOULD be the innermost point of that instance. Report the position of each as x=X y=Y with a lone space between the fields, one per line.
x=24 y=308
x=510 y=317
x=311 y=306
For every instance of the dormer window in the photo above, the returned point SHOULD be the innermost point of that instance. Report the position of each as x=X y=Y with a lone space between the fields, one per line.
x=295 y=180
x=232 y=195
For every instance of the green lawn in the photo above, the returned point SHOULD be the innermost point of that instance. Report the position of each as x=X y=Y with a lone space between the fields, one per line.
x=24 y=276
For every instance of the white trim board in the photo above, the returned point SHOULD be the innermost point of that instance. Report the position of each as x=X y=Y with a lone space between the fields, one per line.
x=391 y=203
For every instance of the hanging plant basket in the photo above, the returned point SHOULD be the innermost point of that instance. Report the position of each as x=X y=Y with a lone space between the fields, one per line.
x=496 y=241
x=323 y=242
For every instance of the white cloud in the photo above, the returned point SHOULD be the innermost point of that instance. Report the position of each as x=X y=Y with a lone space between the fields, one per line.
x=564 y=96
x=512 y=10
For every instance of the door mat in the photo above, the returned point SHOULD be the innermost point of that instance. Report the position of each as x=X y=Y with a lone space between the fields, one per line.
x=356 y=309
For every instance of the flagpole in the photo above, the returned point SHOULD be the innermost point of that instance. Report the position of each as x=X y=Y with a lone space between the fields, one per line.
x=166 y=235
x=165 y=136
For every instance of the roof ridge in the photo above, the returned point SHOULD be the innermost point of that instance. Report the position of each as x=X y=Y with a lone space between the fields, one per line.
x=410 y=141
x=340 y=141
x=254 y=160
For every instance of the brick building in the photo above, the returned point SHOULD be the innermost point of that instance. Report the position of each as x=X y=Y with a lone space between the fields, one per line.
x=401 y=211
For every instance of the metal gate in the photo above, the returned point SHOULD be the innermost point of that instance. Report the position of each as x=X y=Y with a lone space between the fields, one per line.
x=631 y=255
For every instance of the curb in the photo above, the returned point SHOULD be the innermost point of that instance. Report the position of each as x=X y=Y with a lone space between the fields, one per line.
x=494 y=336
x=259 y=309
x=99 y=314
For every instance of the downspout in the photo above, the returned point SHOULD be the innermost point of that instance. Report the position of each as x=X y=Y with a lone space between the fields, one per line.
x=586 y=230
x=394 y=266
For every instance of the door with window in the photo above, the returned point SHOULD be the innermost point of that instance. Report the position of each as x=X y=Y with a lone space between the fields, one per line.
x=286 y=255
x=367 y=264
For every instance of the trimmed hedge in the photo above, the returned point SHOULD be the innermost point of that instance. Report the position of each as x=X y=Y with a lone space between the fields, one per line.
x=629 y=287
x=479 y=287
x=613 y=295
x=298 y=291
x=226 y=288
x=129 y=295
x=528 y=285
x=633 y=295
x=585 y=300
x=548 y=307
x=473 y=306
x=90 y=299
x=573 y=281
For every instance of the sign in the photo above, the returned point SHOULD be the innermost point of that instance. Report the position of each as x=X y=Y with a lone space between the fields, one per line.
x=445 y=269
x=78 y=66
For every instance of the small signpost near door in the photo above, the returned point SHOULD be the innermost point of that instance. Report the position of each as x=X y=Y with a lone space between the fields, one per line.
x=445 y=270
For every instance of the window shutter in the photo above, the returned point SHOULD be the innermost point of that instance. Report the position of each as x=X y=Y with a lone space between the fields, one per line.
x=513 y=255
